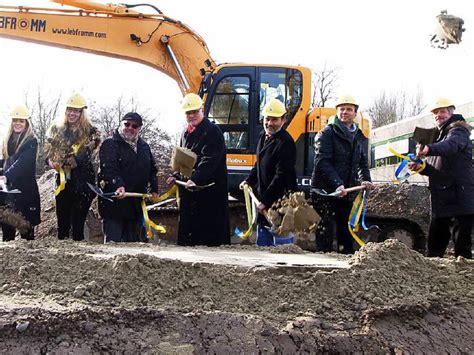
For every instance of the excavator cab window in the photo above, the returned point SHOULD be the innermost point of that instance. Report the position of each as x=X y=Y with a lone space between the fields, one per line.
x=230 y=109
x=231 y=101
x=283 y=84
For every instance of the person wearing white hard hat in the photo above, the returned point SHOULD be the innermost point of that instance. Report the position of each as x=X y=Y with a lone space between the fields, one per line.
x=340 y=162
x=451 y=183
x=19 y=152
x=70 y=145
x=273 y=174
x=203 y=213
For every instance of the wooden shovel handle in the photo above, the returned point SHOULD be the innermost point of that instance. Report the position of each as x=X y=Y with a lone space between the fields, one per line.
x=136 y=194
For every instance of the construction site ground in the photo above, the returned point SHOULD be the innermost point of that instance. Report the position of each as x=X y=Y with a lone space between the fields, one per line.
x=79 y=297
x=156 y=298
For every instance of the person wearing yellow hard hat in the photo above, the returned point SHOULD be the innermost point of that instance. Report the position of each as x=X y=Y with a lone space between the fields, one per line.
x=449 y=170
x=340 y=162
x=273 y=174
x=19 y=151
x=204 y=210
x=70 y=145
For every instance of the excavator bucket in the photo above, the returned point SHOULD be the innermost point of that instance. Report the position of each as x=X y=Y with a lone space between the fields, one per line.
x=449 y=29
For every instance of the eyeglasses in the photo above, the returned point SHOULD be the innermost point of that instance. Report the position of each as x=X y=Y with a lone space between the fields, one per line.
x=133 y=125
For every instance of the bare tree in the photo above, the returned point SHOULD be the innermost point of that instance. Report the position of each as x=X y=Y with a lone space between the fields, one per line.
x=107 y=119
x=324 y=85
x=391 y=107
x=43 y=111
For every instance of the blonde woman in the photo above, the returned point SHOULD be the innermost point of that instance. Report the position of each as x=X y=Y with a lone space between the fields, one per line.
x=19 y=166
x=70 y=147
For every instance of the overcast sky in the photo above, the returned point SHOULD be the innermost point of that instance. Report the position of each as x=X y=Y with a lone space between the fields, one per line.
x=376 y=45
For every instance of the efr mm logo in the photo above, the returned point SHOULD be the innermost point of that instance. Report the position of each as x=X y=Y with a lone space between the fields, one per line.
x=12 y=23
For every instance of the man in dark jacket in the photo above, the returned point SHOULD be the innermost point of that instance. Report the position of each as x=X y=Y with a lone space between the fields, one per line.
x=449 y=164
x=274 y=172
x=203 y=213
x=340 y=162
x=126 y=165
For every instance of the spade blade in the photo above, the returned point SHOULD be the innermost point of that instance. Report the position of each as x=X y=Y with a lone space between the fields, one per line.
x=425 y=136
x=98 y=191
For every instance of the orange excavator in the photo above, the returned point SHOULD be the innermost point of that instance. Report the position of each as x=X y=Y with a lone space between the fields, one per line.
x=234 y=94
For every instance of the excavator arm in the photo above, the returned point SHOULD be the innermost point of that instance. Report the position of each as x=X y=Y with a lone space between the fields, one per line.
x=116 y=31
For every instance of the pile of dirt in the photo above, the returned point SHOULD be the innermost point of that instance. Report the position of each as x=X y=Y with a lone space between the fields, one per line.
x=400 y=201
x=65 y=296
x=12 y=218
x=293 y=213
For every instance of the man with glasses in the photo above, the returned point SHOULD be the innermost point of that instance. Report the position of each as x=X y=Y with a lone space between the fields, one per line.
x=203 y=213
x=126 y=165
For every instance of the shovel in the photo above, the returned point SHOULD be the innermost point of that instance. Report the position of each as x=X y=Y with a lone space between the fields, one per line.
x=337 y=193
x=109 y=195
x=14 y=191
x=4 y=189
x=193 y=188
x=425 y=136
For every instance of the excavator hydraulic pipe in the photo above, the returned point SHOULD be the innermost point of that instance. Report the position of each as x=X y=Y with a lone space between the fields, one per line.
x=169 y=49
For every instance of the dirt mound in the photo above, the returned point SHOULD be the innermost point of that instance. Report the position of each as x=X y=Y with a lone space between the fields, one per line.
x=400 y=201
x=293 y=213
x=214 y=307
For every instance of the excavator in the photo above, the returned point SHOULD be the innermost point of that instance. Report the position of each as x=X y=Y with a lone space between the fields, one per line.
x=234 y=94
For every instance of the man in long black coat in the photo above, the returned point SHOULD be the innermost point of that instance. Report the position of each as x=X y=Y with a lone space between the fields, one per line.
x=274 y=172
x=204 y=213
x=126 y=165
x=449 y=166
x=339 y=163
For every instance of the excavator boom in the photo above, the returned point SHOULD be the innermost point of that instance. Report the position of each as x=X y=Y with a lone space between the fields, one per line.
x=155 y=40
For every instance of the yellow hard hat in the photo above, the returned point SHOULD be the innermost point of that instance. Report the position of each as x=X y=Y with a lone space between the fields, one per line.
x=441 y=102
x=346 y=99
x=191 y=102
x=274 y=108
x=76 y=101
x=20 y=111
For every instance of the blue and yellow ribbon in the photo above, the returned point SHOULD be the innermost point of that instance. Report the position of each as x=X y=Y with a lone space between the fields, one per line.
x=251 y=215
x=409 y=158
x=358 y=211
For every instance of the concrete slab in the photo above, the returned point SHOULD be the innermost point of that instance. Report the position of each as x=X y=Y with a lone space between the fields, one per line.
x=221 y=256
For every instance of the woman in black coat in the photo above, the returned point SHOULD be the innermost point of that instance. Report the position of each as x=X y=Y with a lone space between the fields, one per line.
x=69 y=149
x=19 y=167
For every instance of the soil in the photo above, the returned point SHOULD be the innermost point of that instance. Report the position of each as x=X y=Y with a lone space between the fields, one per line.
x=401 y=201
x=66 y=297
x=69 y=297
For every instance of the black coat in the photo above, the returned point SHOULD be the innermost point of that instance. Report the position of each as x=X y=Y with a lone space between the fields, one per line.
x=274 y=172
x=449 y=166
x=120 y=166
x=204 y=215
x=20 y=171
x=339 y=160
